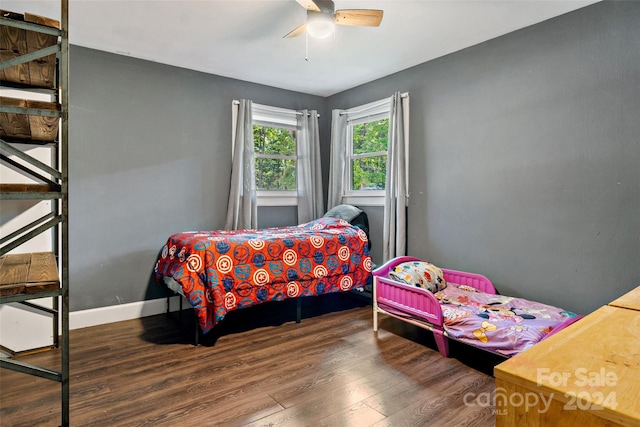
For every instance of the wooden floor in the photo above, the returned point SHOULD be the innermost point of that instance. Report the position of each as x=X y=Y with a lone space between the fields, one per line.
x=259 y=368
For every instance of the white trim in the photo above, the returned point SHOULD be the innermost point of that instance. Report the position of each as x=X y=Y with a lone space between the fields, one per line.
x=364 y=200
x=277 y=197
x=381 y=113
x=117 y=313
x=367 y=110
x=277 y=115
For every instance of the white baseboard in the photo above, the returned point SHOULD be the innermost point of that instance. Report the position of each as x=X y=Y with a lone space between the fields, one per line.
x=118 y=313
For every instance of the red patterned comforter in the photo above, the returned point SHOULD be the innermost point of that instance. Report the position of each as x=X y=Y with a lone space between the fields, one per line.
x=221 y=271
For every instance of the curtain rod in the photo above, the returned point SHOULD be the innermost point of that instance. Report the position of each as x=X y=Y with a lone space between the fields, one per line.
x=276 y=109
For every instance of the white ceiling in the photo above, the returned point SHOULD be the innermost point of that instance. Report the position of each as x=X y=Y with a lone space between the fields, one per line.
x=243 y=39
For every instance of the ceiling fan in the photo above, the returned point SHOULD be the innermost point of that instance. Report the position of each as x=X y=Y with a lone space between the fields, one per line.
x=322 y=18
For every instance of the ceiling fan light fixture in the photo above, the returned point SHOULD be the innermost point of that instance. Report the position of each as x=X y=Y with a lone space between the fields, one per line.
x=320 y=25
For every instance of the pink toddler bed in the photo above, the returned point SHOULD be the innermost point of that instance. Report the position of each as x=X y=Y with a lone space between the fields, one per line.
x=465 y=307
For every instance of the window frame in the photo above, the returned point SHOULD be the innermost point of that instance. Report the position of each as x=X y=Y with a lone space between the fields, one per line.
x=363 y=114
x=263 y=115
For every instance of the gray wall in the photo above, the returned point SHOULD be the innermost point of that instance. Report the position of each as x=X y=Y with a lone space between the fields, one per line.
x=525 y=160
x=150 y=155
x=525 y=164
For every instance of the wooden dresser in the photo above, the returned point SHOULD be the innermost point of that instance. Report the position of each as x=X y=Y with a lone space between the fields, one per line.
x=586 y=375
x=630 y=300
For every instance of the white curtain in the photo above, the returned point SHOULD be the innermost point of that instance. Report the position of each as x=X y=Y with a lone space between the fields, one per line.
x=309 y=175
x=338 y=158
x=394 y=233
x=242 y=211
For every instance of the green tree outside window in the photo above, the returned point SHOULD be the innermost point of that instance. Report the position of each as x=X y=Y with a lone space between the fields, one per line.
x=275 y=152
x=369 y=164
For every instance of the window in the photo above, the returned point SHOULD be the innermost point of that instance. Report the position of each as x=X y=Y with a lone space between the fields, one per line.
x=367 y=142
x=275 y=152
x=367 y=139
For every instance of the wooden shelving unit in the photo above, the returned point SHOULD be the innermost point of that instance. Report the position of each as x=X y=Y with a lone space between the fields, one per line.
x=34 y=56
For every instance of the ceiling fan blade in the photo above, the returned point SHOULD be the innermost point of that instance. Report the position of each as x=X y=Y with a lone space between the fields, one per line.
x=359 y=17
x=296 y=32
x=309 y=5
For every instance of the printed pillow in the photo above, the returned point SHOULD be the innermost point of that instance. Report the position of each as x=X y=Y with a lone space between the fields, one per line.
x=420 y=274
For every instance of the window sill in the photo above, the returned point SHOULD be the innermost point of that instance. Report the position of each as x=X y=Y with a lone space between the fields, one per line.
x=277 y=198
x=364 y=199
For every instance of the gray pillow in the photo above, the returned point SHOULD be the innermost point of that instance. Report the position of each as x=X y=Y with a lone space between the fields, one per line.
x=346 y=212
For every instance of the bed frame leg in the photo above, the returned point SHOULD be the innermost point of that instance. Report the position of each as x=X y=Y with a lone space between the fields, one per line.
x=375 y=304
x=197 y=334
x=298 y=310
x=441 y=342
x=375 y=317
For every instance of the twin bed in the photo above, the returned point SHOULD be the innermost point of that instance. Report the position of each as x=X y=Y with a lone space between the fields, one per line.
x=462 y=306
x=221 y=271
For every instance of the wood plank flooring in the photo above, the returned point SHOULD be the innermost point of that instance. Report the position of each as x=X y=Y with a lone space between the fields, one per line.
x=259 y=368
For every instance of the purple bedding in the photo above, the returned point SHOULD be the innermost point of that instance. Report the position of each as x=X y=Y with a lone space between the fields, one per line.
x=498 y=323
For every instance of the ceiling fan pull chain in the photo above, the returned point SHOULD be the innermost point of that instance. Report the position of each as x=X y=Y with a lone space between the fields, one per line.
x=306 y=46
